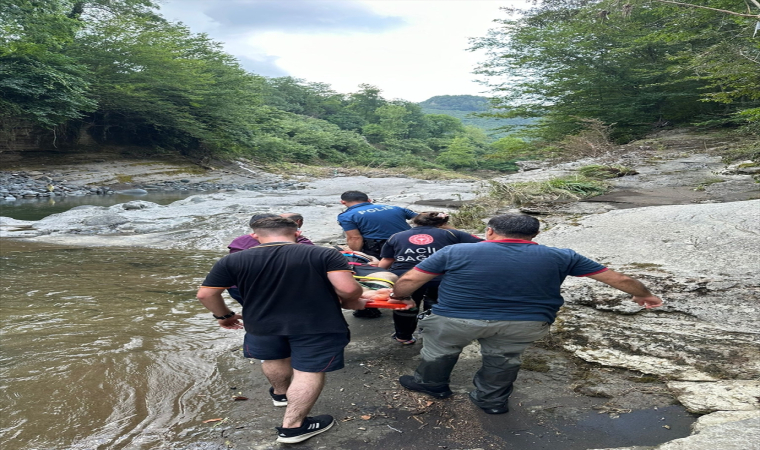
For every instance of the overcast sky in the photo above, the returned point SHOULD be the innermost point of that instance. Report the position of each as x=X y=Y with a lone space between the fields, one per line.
x=411 y=49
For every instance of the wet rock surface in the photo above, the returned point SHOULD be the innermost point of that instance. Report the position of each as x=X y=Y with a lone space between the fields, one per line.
x=210 y=221
x=35 y=184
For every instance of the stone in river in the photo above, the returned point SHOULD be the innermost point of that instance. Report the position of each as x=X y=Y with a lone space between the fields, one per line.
x=132 y=192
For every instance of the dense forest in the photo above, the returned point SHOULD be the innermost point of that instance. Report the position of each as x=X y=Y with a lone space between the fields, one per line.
x=114 y=72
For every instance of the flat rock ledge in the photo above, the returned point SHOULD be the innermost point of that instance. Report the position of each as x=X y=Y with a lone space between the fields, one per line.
x=703 y=260
x=728 y=395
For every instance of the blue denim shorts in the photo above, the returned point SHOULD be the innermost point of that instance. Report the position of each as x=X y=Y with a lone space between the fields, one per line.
x=308 y=352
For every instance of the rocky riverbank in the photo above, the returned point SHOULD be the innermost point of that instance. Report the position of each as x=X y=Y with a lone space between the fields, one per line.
x=16 y=185
x=685 y=224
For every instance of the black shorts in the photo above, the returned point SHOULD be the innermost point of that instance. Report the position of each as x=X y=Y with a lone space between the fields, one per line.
x=308 y=352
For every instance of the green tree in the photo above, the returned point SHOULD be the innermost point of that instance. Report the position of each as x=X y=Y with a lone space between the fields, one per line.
x=460 y=154
x=502 y=154
x=347 y=120
x=392 y=121
x=442 y=125
x=629 y=64
x=365 y=102
x=156 y=83
x=294 y=95
x=38 y=82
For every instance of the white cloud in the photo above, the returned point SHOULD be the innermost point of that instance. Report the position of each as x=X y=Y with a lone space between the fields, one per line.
x=411 y=49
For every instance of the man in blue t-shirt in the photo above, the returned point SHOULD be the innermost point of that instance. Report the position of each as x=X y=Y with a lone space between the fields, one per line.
x=504 y=292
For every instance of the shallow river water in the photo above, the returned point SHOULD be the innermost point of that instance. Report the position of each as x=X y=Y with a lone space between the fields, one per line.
x=106 y=348
x=36 y=209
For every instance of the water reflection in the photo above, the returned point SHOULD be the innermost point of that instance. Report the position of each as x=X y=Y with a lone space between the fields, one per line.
x=105 y=347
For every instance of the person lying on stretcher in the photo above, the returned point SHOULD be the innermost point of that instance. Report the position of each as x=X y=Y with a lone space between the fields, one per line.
x=376 y=282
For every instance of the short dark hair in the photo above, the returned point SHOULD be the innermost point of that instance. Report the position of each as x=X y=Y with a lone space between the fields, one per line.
x=354 y=196
x=295 y=217
x=430 y=219
x=258 y=216
x=517 y=225
x=273 y=225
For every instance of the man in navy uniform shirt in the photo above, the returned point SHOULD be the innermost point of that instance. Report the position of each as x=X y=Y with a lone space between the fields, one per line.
x=368 y=226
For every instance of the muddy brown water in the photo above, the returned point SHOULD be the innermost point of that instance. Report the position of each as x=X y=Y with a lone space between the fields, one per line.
x=104 y=347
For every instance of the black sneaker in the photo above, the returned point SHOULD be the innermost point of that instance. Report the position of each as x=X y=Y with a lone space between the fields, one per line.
x=368 y=313
x=311 y=427
x=496 y=410
x=408 y=382
x=278 y=399
x=493 y=410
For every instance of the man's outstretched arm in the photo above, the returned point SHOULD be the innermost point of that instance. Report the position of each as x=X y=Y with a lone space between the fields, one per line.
x=641 y=294
x=410 y=282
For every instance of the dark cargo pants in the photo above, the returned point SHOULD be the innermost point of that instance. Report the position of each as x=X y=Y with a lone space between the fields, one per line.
x=501 y=344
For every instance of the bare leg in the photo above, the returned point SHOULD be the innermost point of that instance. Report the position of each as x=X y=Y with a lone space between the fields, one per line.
x=303 y=393
x=279 y=373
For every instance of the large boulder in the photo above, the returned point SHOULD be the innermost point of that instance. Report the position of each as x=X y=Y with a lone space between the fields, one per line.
x=703 y=260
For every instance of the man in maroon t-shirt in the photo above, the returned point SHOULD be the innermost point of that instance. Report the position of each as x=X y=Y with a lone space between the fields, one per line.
x=247 y=241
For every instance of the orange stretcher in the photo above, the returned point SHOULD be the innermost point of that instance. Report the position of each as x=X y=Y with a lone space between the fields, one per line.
x=380 y=300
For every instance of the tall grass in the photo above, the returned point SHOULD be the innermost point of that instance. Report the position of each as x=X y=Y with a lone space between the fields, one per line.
x=602 y=172
x=591 y=141
x=470 y=216
x=556 y=189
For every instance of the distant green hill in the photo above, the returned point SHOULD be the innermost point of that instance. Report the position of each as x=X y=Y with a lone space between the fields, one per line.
x=471 y=103
x=463 y=107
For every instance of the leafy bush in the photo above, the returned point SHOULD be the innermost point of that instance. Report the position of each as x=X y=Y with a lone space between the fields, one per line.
x=460 y=154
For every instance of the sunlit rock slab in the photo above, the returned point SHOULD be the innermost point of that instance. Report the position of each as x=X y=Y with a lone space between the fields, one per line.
x=721 y=417
x=727 y=395
x=715 y=239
